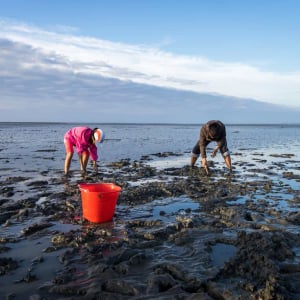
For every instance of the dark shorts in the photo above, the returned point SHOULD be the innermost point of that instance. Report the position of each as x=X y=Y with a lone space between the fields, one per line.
x=196 y=150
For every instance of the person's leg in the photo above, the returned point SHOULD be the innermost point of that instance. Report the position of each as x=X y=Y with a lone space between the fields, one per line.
x=84 y=161
x=195 y=154
x=228 y=161
x=69 y=155
x=193 y=160
x=226 y=155
x=68 y=160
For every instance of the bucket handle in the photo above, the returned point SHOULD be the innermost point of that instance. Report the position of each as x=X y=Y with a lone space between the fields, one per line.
x=87 y=191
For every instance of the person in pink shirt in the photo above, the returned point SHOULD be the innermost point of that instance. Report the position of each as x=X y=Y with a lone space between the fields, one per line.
x=84 y=140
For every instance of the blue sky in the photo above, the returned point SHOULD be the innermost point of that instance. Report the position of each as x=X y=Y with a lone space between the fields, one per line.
x=242 y=49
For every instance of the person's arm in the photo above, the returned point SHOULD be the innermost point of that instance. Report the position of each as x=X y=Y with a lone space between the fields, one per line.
x=214 y=153
x=202 y=145
x=94 y=156
x=220 y=145
x=221 y=140
x=202 y=142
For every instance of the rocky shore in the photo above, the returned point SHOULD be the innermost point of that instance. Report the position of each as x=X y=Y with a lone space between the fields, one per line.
x=176 y=234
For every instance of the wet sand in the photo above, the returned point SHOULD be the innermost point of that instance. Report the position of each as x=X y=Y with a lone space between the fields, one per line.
x=176 y=234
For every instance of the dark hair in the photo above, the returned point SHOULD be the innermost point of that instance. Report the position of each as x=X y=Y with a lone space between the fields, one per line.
x=213 y=129
x=91 y=139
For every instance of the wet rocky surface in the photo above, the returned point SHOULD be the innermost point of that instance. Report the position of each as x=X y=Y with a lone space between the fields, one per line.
x=176 y=234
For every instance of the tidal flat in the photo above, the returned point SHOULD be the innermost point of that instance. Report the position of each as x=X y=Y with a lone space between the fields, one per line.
x=176 y=233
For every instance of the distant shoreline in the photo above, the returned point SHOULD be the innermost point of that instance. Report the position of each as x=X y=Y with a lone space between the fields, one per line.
x=152 y=124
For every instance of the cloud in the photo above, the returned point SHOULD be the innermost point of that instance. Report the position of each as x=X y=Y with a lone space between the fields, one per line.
x=67 y=53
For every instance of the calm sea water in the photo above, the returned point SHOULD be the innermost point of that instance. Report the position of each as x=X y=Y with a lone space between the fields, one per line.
x=39 y=146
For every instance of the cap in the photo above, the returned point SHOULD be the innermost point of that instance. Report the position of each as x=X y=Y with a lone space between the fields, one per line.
x=99 y=135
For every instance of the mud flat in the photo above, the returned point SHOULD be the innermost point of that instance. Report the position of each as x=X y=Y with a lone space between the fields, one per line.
x=176 y=233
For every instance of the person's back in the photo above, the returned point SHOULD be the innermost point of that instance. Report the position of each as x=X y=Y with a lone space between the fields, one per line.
x=213 y=131
x=79 y=136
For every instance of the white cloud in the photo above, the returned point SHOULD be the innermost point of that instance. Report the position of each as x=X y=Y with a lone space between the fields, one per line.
x=149 y=65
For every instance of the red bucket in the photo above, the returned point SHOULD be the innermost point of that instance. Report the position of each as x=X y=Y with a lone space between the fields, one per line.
x=99 y=201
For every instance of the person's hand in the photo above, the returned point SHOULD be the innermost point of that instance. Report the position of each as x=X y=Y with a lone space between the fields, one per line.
x=214 y=153
x=205 y=166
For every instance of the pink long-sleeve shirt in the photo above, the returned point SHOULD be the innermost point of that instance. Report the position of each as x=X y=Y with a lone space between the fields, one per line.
x=80 y=138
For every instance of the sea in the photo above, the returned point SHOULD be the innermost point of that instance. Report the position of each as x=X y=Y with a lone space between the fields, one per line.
x=21 y=143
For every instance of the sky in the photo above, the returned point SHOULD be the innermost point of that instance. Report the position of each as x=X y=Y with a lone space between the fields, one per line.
x=110 y=60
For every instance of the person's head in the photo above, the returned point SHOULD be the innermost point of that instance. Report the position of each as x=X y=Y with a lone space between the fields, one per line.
x=98 y=135
x=213 y=129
